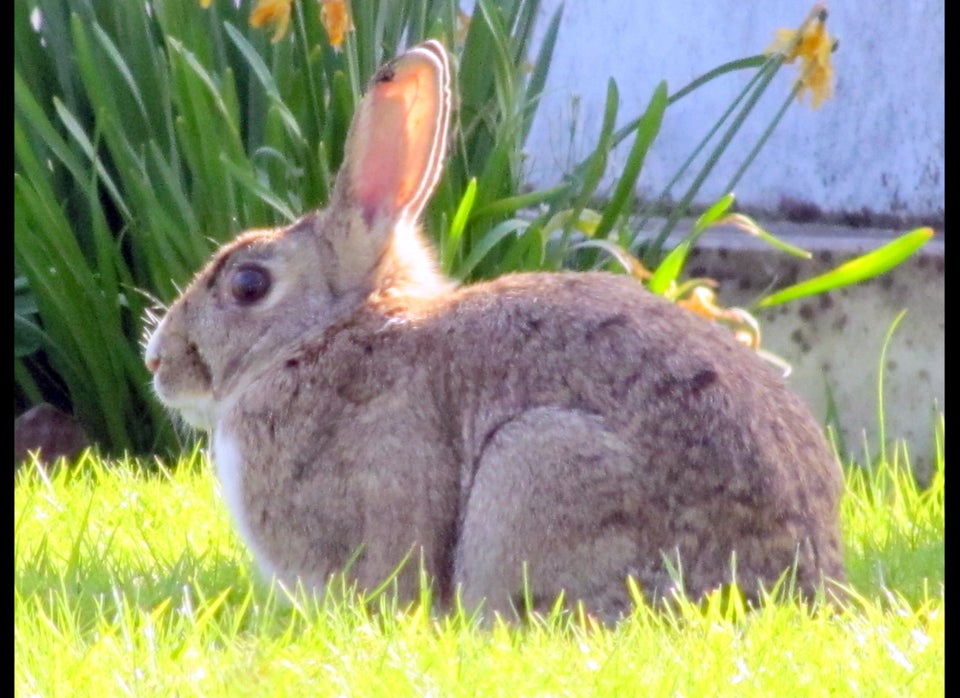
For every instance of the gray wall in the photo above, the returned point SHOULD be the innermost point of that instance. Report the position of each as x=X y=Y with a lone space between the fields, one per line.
x=878 y=144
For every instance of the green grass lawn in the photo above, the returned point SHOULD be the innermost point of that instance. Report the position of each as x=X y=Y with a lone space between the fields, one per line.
x=132 y=582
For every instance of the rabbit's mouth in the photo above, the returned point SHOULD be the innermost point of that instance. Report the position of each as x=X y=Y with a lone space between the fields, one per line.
x=181 y=377
x=198 y=410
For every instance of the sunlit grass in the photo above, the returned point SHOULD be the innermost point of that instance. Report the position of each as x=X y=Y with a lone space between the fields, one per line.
x=129 y=580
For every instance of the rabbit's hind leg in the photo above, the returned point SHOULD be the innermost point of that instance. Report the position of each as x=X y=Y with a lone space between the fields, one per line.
x=554 y=507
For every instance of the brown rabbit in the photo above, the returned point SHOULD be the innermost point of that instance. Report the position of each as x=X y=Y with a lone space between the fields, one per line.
x=539 y=434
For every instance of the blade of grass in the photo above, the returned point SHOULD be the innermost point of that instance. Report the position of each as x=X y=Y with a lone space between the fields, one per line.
x=881 y=370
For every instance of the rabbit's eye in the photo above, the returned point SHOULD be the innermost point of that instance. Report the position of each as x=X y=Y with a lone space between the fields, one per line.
x=249 y=284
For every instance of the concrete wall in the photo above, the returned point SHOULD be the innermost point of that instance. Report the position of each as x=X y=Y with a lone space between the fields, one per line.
x=878 y=144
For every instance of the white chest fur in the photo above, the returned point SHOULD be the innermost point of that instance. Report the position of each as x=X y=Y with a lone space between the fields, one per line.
x=228 y=461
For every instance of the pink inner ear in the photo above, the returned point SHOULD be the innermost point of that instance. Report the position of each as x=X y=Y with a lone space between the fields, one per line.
x=397 y=140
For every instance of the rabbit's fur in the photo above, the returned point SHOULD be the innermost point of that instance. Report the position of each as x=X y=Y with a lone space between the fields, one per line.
x=540 y=433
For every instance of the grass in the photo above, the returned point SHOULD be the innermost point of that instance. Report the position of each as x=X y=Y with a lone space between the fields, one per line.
x=129 y=580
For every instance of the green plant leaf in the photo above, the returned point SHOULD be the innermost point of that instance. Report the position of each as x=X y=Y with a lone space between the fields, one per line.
x=27 y=336
x=592 y=169
x=669 y=269
x=647 y=130
x=242 y=174
x=751 y=227
x=76 y=130
x=266 y=79
x=514 y=203
x=489 y=241
x=585 y=221
x=856 y=270
x=627 y=261
x=714 y=213
x=451 y=242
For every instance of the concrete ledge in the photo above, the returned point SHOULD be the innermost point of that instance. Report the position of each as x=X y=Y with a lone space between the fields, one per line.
x=834 y=341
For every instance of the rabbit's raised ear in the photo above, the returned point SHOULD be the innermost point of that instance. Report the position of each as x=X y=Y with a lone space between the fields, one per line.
x=398 y=138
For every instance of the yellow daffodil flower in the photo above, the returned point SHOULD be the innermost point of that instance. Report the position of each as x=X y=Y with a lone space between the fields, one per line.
x=275 y=13
x=335 y=17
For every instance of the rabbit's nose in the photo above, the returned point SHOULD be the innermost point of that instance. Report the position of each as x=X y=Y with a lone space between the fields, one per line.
x=151 y=357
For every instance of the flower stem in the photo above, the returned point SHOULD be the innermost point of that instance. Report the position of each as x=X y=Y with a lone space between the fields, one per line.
x=644 y=214
x=759 y=85
x=764 y=137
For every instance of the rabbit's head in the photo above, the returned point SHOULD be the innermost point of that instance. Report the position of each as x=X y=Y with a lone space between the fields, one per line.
x=270 y=289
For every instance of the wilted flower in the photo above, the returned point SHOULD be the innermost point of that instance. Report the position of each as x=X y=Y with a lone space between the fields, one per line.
x=703 y=301
x=814 y=46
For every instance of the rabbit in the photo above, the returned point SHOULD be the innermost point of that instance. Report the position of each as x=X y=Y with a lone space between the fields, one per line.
x=537 y=436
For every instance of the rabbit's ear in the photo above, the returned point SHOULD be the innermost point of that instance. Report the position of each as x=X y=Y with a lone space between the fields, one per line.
x=398 y=138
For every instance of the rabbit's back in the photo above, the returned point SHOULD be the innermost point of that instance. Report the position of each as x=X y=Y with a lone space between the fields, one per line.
x=699 y=444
